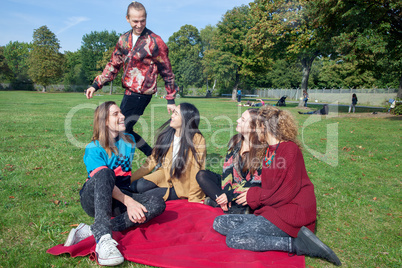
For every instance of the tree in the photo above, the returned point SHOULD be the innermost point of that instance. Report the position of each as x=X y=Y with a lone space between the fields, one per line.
x=45 y=59
x=5 y=71
x=230 y=57
x=185 y=56
x=92 y=48
x=368 y=33
x=72 y=70
x=283 y=30
x=16 y=55
x=207 y=35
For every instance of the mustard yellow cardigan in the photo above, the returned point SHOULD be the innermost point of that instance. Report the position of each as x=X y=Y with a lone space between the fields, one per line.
x=186 y=186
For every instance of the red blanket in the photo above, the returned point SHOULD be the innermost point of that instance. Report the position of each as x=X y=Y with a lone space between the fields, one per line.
x=183 y=237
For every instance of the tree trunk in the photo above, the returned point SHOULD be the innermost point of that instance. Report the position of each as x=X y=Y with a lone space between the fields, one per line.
x=43 y=89
x=111 y=88
x=234 y=92
x=213 y=88
x=306 y=63
x=399 y=95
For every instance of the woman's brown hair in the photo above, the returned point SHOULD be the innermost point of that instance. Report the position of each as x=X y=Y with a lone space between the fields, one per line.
x=249 y=158
x=279 y=123
x=101 y=131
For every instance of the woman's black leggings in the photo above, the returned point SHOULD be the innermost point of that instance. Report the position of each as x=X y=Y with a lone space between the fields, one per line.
x=97 y=201
x=147 y=187
x=210 y=183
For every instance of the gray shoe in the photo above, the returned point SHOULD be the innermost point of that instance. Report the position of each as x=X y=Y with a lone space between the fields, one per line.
x=307 y=243
x=78 y=234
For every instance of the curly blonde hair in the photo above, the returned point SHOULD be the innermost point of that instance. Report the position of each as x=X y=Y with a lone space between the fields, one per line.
x=279 y=123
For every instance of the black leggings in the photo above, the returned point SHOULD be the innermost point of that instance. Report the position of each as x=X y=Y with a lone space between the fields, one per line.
x=97 y=201
x=147 y=187
x=210 y=183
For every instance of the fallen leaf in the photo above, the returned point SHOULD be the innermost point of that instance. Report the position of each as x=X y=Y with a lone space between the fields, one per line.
x=36 y=168
x=11 y=197
x=385 y=159
x=389 y=214
x=363 y=174
x=56 y=202
x=371 y=210
x=66 y=232
x=347 y=149
x=375 y=198
x=74 y=225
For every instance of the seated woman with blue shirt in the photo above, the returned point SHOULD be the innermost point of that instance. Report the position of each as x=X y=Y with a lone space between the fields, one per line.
x=106 y=194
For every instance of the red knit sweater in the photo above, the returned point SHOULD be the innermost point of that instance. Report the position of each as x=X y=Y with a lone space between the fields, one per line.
x=286 y=196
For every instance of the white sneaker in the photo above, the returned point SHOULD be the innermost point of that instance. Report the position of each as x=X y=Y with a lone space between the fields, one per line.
x=78 y=234
x=107 y=252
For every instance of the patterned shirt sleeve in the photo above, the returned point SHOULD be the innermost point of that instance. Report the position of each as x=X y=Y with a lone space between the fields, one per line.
x=112 y=68
x=165 y=70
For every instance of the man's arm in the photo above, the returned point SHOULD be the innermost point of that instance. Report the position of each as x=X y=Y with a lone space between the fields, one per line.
x=110 y=72
x=165 y=70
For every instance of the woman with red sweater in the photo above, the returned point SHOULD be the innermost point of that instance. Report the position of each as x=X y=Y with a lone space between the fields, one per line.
x=284 y=206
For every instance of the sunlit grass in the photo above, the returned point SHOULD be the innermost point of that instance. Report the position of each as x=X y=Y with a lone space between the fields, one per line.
x=41 y=172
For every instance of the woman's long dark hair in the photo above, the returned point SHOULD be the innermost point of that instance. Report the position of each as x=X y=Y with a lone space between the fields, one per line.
x=249 y=158
x=190 y=122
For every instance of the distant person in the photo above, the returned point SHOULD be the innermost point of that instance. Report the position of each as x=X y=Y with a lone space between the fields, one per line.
x=305 y=97
x=323 y=111
x=106 y=194
x=392 y=104
x=354 y=102
x=284 y=206
x=259 y=104
x=142 y=55
x=239 y=172
x=179 y=153
x=239 y=97
x=253 y=104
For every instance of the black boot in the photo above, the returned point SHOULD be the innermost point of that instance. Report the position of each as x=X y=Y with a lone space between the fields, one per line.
x=209 y=202
x=306 y=243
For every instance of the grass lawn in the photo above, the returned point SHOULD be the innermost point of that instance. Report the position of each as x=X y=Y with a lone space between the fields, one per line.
x=354 y=162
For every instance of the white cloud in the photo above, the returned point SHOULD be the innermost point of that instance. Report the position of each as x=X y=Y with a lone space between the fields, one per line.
x=71 y=22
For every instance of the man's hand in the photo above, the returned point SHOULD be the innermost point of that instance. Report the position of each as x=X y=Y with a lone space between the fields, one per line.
x=136 y=211
x=171 y=108
x=90 y=92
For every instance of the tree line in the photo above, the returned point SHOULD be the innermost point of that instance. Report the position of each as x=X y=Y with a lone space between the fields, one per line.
x=275 y=44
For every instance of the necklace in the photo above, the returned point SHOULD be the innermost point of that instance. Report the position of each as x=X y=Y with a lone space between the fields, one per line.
x=268 y=161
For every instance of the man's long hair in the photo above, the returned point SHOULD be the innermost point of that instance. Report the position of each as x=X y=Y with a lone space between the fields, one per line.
x=101 y=131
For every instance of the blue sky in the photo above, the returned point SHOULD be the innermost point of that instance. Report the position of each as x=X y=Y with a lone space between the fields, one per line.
x=71 y=19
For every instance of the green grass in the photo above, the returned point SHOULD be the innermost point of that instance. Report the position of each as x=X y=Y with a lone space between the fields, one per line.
x=41 y=173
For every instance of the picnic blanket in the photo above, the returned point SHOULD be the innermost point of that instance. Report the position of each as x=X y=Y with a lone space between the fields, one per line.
x=183 y=237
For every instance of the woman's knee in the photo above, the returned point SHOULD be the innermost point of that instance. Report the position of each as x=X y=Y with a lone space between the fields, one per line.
x=144 y=185
x=201 y=175
x=105 y=175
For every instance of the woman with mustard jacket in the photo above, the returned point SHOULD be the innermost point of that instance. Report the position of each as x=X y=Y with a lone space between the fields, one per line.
x=179 y=153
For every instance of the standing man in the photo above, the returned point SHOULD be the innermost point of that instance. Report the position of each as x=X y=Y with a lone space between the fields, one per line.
x=143 y=55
